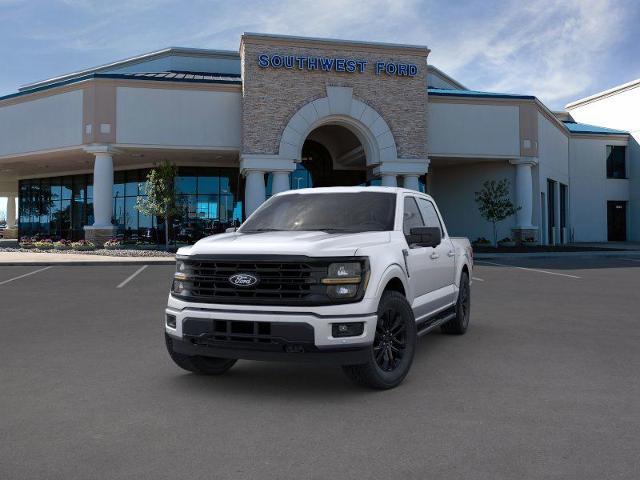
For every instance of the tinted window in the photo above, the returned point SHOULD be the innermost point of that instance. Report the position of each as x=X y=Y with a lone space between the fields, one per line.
x=616 y=162
x=333 y=212
x=412 y=217
x=429 y=214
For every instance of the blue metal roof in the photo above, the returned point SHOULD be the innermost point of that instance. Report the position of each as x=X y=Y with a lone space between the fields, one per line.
x=188 y=77
x=575 y=127
x=444 y=92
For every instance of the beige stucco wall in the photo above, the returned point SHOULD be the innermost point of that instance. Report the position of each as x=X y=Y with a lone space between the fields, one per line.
x=178 y=117
x=467 y=129
x=54 y=121
x=271 y=96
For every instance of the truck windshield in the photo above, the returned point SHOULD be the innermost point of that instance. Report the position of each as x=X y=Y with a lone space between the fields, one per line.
x=329 y=212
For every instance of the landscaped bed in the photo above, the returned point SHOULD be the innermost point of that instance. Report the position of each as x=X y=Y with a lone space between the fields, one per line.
x=125 y=252
x=112 y=248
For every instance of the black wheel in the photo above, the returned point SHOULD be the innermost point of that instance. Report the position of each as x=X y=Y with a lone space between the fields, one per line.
x=199 y=365
x=391 y=353
x=458 y=325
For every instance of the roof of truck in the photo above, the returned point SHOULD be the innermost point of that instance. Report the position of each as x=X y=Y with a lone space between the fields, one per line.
x=348 y=190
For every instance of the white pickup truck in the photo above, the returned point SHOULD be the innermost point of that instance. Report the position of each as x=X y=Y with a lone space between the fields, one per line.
x=343 y=275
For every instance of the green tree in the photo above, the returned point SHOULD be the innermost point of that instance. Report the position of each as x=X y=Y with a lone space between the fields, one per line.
x=494 y=203
x=161 y=198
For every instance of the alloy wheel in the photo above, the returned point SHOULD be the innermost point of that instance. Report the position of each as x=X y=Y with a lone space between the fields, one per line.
x=390 y=340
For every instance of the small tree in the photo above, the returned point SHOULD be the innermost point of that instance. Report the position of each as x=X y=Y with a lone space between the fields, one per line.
x=160 y=191
x=494 y=203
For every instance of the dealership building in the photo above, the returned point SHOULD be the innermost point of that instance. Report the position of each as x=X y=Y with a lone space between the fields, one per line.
x=289 y=112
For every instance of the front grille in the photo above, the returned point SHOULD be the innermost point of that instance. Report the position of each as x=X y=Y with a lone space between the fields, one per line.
x=281 y=280
x=247 y=334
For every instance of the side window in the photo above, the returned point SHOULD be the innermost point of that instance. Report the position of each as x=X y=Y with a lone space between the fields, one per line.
x=429 y=214
x=412 y=217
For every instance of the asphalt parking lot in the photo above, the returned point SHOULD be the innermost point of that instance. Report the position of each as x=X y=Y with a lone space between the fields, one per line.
x=546 y=384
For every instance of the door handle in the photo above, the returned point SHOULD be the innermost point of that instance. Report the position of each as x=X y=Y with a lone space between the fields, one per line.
x=451 y=253
x=434 y=255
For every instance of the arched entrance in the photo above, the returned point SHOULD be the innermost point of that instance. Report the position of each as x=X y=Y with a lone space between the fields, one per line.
x=333 y=156
x=337 y=139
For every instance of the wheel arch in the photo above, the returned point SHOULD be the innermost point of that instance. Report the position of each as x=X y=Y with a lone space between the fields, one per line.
x=394 y=278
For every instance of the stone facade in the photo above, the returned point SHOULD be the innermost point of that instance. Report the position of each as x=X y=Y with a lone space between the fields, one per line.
x=98 y=236
x=272 y=96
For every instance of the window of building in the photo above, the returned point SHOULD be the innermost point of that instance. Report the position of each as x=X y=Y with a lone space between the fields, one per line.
x=53 y=207
x=616 y=161
x=60 y=207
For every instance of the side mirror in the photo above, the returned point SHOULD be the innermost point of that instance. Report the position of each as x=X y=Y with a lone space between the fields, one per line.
x=230 y=230
x=424 y=237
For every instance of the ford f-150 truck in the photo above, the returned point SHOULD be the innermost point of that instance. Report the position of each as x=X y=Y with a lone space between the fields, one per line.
x=349 y=276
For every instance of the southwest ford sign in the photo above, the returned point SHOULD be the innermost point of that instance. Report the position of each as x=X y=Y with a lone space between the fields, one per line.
x=333 y=64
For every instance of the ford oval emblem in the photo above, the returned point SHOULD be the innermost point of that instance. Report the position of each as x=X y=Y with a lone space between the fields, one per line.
x=243 y=280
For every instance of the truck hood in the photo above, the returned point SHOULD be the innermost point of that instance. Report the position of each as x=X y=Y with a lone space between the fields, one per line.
x=312 y=244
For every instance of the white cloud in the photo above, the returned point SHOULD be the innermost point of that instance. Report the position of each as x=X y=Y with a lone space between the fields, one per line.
x=545 y=48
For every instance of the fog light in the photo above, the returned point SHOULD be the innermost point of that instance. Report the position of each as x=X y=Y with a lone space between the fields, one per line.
x=171 y=321
x=347 y=329
x=342 y=291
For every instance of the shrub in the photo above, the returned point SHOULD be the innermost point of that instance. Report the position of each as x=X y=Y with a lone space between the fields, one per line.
x=26 y=242
x=112 y=244
x=481 y=241
x=46 y=244
x=62 y=245
x=83 y=245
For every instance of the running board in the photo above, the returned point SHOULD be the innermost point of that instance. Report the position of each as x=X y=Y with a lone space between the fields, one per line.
x=426 y=326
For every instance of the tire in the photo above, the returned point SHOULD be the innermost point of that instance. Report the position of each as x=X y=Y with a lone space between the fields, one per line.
x=199 y=365
x=392 y=350
x=459 y=324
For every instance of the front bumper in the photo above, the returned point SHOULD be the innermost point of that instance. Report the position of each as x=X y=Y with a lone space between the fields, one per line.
x=330 y=356
x=233 y=331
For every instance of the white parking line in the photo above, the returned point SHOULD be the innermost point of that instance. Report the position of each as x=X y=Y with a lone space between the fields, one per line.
x=477 y=279
x=132 y=276
x=528 y=269
x=25 y=275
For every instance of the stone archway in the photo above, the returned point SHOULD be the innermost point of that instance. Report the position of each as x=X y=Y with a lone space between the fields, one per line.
x=340 y=108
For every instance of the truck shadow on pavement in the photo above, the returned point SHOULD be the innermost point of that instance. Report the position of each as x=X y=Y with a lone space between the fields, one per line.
x=302 y=381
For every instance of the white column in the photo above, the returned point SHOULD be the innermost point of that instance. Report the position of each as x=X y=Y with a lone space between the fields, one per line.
x=524 y=193
x=411 y=182
x=11 y=212
x=280 y=182
x=389 y=180
x=254 y=191
x=103 y=189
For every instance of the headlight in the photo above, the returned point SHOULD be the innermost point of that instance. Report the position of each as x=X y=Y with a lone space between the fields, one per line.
x=342 y=291
x=178 y=286
x=182 y=270
x=343 y=273
x=343 y=279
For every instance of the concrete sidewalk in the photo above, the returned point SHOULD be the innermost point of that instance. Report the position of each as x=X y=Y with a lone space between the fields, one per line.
x=32 y=258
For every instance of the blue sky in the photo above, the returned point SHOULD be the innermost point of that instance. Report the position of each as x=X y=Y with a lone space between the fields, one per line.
x=557 y=50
